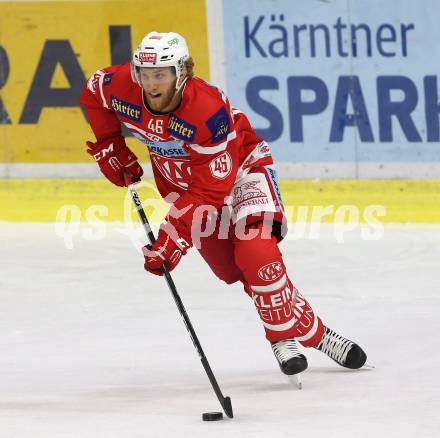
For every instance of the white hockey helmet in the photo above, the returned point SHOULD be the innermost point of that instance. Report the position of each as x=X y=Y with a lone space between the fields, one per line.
x=157 y=49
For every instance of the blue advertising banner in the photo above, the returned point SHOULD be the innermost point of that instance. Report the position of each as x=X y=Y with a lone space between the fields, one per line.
x=339 y=81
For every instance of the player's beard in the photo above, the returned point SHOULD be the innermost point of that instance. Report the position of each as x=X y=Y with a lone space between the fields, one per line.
x=162 y=102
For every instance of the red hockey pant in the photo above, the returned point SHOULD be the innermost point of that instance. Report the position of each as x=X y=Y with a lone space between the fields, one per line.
x=258 y=264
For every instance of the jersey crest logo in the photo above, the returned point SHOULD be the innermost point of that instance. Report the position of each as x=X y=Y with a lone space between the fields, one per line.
x=126 y=109
x=219 y=125
x=221 y=166
x=178 y=172
x=180 y=129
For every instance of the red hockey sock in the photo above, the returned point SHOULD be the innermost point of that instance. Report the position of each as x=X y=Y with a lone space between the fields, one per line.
x=283 y=311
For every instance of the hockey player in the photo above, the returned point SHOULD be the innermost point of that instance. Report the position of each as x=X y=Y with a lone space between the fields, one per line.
x=207 y=153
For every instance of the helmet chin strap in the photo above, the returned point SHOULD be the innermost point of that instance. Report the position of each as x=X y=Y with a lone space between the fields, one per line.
x=179 y=87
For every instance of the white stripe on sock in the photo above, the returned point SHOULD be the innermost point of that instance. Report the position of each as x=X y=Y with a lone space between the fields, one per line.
x=271 y=287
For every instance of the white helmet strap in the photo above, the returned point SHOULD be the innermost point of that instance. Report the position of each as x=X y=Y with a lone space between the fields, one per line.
x=182 y=83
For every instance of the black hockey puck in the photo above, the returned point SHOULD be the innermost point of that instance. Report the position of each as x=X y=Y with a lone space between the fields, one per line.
x=212 y=416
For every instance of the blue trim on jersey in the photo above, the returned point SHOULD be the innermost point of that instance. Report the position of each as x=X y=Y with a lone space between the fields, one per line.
x=273 y=177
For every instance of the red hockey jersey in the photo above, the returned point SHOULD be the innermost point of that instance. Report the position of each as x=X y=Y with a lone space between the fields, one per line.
x=198 y=150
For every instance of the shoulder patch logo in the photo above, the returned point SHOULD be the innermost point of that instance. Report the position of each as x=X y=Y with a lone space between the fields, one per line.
x=221 y=166
x=219 y=125
x=126 y=109
x=108 y=78
x=93 y=82
x=180 y=129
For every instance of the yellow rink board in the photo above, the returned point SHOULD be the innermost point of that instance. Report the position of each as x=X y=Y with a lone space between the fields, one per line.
x=74 y=37
x=405 y=201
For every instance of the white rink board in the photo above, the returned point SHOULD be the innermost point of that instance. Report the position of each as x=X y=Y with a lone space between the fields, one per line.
x=285 y=170
x=93 y=347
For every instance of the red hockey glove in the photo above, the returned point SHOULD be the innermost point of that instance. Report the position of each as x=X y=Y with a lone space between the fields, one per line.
x=114 y=158
x=168 y=248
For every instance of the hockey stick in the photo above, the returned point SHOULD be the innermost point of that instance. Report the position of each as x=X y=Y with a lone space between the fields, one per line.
x=224 y=401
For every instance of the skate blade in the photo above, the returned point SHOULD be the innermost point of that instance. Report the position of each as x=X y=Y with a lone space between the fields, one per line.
x=296 y=380
x=369 y=366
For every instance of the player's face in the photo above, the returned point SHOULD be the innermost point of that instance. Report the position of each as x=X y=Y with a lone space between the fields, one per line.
x=159 y=86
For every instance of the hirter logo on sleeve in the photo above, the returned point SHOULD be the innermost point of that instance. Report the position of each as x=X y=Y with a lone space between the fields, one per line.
x=219 y=125
x=126 y=109
x=180 y=129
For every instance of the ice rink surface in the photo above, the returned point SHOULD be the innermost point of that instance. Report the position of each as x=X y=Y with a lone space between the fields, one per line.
x=93 y=347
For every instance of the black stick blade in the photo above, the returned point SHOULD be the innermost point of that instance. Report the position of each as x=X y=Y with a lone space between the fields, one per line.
x=227 y=406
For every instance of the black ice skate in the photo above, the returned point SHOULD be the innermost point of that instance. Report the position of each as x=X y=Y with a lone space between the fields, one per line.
x=289 y=358
x=343 y=351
